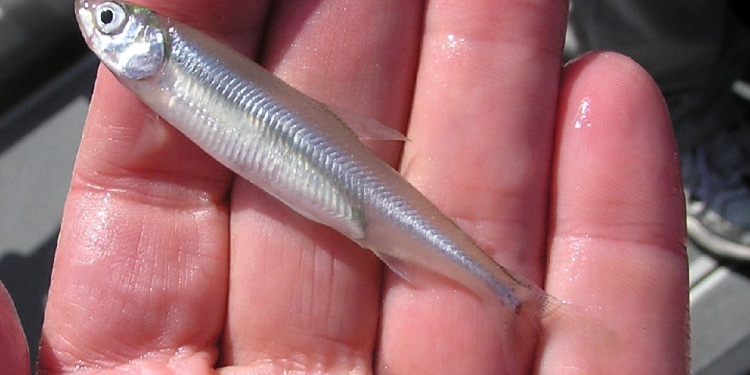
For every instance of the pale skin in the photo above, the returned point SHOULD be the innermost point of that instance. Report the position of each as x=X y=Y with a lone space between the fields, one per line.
x=167 y=264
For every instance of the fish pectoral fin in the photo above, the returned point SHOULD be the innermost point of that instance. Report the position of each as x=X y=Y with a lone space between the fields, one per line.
x=365 y=127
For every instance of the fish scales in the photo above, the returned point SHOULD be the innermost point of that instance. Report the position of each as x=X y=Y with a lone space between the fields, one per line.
x=258 y=135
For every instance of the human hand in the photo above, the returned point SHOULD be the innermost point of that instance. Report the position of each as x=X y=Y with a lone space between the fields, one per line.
x=166 y=264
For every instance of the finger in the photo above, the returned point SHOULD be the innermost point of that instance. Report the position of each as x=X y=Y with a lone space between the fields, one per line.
x=481 y=134
x=141 y=268
x=238 y=23
x=15 y=358
x=303 y=296
x=618 y=247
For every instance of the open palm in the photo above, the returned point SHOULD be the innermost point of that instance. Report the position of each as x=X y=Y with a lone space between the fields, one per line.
x=168 y=264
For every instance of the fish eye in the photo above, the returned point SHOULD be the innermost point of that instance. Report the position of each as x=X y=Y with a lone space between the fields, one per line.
x=110 y=17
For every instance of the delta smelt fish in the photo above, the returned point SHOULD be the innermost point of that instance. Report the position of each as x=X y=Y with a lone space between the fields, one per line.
x=292 y=146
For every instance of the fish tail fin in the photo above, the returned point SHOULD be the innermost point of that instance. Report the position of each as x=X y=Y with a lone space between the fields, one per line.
x=552 y=316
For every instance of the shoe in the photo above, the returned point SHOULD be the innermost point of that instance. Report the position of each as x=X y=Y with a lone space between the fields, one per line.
x=716 y=179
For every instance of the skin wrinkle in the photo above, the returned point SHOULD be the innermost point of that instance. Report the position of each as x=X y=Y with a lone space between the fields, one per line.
x=325 y=267
x=318 y=300
x=542 y=39
x=613 y=257
x=147 y=191
x=125 y=279
x=328 y=352
x=675 y=248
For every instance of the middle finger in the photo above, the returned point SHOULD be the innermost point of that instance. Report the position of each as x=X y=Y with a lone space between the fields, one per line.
x=301 y=296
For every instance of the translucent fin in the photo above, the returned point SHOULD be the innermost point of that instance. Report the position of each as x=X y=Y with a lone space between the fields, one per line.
x=548 y=305
x=536 y=306
x=541 y=318
x=570 y=314
x=366 y=128
x=398 y=266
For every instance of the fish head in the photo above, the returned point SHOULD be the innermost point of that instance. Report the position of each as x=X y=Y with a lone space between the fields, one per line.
x=130 y=40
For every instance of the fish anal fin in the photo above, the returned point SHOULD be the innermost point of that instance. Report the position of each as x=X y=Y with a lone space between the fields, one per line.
x=403 y=269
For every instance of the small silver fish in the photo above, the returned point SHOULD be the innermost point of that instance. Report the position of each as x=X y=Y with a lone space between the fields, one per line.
x=290 y=145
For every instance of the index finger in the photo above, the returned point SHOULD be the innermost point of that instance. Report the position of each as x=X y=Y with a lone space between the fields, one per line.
x=143 y=248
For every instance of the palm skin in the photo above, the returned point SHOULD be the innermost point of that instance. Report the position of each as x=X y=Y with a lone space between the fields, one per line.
x=167 y=264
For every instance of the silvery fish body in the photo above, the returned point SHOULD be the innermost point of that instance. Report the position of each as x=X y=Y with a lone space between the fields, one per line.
x=290 y=145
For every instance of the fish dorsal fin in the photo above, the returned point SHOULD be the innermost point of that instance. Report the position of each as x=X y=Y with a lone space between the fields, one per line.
x=366 y=128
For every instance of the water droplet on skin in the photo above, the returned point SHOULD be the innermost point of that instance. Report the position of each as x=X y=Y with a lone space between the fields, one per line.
x=451 y=47
x=445 y=49
x=582 y=116
x=97 y=236
x=578 y=258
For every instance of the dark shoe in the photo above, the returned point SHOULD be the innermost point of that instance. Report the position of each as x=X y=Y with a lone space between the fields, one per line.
x=717 y=192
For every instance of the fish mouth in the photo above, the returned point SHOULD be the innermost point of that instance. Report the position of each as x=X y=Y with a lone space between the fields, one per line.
x=85 y=19
x=81 y=8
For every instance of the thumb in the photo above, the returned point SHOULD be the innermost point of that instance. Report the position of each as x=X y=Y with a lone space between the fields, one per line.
x=14 y=354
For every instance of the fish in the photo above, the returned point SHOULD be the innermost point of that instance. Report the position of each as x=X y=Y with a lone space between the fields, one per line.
x=297 y=149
